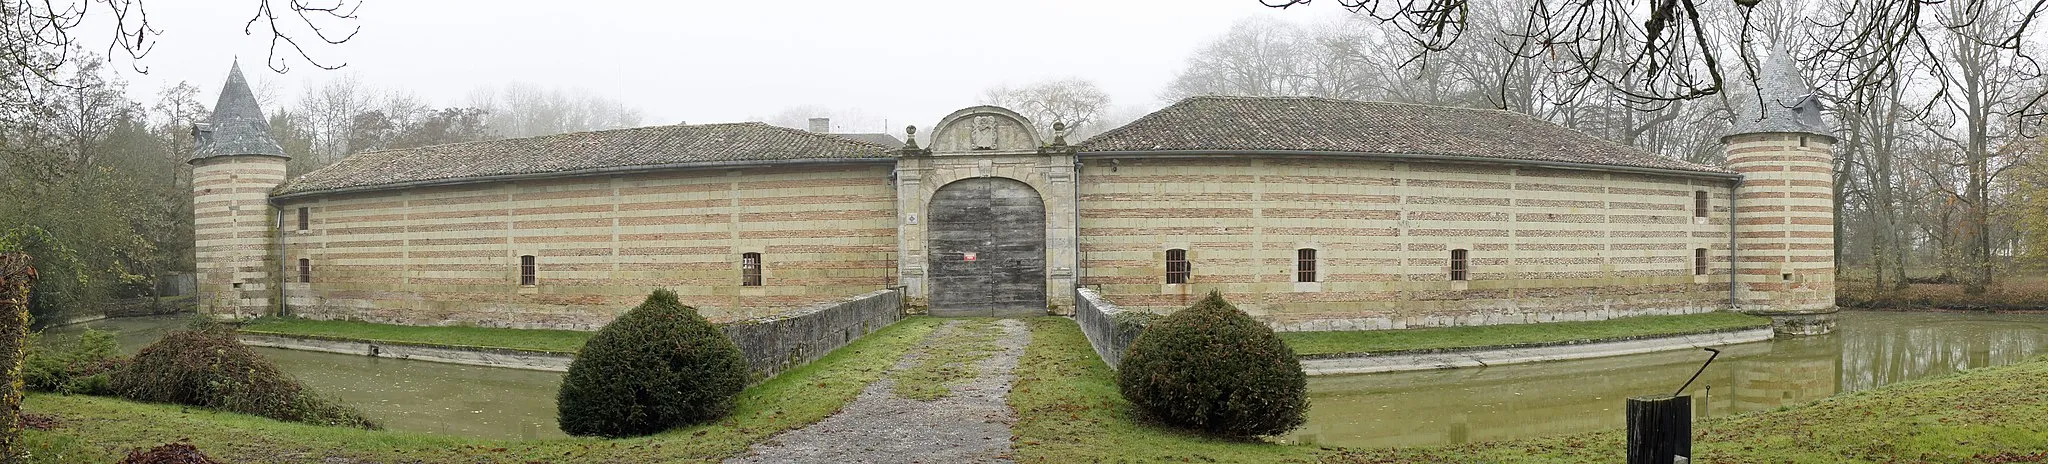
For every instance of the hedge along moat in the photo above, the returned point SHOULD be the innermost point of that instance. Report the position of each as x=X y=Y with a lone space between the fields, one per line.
x=1372 y=410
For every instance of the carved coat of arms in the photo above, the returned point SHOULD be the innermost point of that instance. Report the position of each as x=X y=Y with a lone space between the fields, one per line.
x=984 y=134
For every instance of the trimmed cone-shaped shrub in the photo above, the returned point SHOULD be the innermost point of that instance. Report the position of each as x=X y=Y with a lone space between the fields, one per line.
x=657 y=367
x=209 y=368
x=1212 y=368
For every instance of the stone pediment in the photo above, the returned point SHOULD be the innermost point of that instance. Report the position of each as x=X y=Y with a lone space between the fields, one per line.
x=984 y=129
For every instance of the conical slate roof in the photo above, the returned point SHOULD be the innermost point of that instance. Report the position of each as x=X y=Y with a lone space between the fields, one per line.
x=1788 y=103
x=238 y=126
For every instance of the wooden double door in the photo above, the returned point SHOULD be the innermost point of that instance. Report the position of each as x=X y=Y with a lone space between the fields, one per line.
x=986 y=249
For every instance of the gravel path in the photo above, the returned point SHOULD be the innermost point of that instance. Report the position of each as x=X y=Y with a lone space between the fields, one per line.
x=972 y=424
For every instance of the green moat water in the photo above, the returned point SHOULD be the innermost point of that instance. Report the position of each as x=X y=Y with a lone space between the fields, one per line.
x=1373 y=410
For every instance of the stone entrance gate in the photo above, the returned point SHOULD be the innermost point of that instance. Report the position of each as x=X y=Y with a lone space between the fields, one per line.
x=987 y=249
x=986 y=188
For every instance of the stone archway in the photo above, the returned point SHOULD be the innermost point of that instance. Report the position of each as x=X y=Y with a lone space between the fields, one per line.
x=986 y=249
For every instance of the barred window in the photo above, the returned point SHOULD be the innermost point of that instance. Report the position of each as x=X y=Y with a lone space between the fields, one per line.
x=527 y=271
x=1459 y=268
x=1305 y=265
x=1699 y=261
x=305 y=218
x=750 y=269
x=1699 y=203
x=305 y=270
x=1177 y=269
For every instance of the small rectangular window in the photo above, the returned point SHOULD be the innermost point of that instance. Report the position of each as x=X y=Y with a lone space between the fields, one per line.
x=750 y=269
x=1459 y=269
x=305 y=219
x=1699 y=261
x=1305 y=265
x=527 y=271
x=305 y=270
x=1699 y=203
x=1177 y=268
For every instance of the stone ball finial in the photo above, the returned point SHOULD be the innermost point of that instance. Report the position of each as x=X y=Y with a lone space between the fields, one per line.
x=910 y=130
x=1058 y=126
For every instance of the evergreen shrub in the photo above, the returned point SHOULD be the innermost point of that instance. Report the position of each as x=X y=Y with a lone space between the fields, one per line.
x=1212 y=368
x=208 y=367
x=659 y=366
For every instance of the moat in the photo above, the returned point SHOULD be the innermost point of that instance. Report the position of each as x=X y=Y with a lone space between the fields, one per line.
x=1869 y=349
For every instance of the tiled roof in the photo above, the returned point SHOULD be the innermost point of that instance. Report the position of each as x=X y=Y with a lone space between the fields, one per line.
x=877 y=138
x=1216 y=123
x=582 y=151
x=237 y=126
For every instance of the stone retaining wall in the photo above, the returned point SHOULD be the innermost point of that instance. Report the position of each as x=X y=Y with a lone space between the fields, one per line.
x=474 y=356
x=1482 y=357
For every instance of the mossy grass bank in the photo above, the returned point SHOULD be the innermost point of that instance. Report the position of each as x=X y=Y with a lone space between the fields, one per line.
x=99 y=429
x=2028 y=292
x=1330 y=344
x=1069 y=410
x=553 y=341
x=934 y=373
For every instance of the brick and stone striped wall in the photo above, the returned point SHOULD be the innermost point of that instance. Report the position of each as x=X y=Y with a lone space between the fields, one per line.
x=1545 y=244
x=450 y=254
x=1785 y=221
x=233 y=236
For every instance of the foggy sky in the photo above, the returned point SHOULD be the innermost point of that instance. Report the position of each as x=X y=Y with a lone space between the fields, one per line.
x=910 y=61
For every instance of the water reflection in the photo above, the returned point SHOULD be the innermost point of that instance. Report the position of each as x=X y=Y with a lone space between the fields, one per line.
x=1517 y=401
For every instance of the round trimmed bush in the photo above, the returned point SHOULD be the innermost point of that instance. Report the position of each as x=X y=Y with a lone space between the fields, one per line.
x=657 y=367
x=208 y=367
x=1212 y=368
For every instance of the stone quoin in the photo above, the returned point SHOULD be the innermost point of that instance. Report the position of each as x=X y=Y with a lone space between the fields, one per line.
x=1308 y=213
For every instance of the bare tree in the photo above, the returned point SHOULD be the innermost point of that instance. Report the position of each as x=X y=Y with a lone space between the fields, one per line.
x=525 y=110
x=1669 y=50
x=1075 y=102
x=39 y=37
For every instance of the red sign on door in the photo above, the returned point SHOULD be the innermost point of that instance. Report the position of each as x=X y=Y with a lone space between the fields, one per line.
x=968 y=256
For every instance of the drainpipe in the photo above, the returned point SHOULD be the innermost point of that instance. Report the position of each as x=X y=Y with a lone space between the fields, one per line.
x=283 y=261
x=1734 y=192
x=1077 y=233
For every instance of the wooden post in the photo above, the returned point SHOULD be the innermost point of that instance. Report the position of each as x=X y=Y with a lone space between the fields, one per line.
x=1659 y=428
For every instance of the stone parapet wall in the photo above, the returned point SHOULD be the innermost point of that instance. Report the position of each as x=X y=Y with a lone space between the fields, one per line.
x=234 y=240
x=1100 y=321
x=792 y=339
x=1544 y=244
x=451 y=254
x=1787 y=226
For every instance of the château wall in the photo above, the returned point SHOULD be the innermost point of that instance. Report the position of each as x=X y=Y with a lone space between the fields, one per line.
x=1544 y=244
x=451 y=254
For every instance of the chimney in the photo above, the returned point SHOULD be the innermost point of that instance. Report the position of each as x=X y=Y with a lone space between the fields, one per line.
x=821 y=125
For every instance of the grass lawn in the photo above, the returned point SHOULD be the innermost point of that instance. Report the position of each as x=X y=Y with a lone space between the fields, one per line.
x=98 y=429
x=1384 y=341
x=558 y=341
